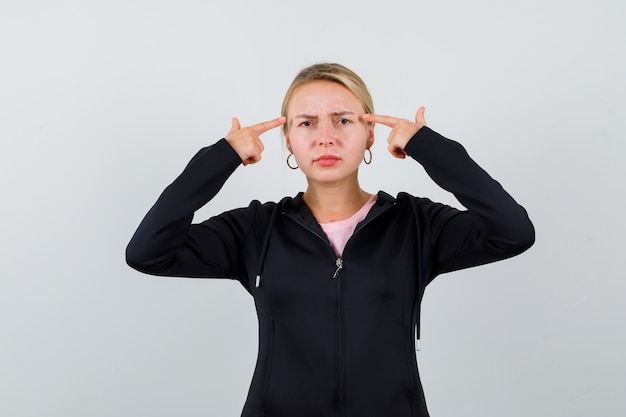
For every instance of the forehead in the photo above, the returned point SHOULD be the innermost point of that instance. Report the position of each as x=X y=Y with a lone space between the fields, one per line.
x=324 y=96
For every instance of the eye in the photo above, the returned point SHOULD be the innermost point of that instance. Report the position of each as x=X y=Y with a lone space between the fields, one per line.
x=306 y=123
x=343 y=121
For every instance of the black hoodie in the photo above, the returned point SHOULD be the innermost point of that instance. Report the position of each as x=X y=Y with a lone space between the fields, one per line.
x=336 y=335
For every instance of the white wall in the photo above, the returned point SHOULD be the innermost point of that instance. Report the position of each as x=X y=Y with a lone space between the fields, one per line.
x=102 y=104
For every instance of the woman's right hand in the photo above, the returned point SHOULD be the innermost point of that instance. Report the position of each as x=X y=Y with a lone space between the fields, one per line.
x=246 y=142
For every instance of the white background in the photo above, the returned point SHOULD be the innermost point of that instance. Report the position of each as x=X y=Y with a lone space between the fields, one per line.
x=103 y=103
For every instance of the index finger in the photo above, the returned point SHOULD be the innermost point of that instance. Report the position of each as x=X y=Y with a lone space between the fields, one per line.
x=263 y=127
x=388 y=121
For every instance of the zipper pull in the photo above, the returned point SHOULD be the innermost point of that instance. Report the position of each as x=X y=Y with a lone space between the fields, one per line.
x=339 y=263
x=258 y=281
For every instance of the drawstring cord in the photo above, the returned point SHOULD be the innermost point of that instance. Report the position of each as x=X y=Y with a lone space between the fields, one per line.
x=266 y=244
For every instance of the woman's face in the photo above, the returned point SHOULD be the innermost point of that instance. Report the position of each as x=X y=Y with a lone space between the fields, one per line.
x=325 y=131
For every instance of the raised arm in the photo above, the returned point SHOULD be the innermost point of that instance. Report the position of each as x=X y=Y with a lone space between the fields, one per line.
x=494 y=226
x=166 y=243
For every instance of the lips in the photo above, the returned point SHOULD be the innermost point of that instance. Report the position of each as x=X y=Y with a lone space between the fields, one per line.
x=327 y=160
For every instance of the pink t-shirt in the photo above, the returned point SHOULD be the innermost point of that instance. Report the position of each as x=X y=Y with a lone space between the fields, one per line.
x=340 y=231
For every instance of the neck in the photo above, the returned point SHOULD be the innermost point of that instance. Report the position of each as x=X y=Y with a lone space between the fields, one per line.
x=334 y=202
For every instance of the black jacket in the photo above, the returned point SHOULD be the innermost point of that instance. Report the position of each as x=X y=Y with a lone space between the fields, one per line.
x=336 y=336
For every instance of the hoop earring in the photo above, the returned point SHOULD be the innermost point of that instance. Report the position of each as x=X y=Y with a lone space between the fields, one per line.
x=289 y=165
x=367 y=161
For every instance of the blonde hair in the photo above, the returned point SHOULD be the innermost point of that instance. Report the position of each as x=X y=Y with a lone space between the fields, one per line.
x=336 y=73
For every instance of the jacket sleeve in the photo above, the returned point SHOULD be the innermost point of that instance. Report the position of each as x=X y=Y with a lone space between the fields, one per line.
x=166 y=243
x=493 y=227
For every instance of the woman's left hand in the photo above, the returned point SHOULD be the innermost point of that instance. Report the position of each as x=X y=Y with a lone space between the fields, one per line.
x=402 y=130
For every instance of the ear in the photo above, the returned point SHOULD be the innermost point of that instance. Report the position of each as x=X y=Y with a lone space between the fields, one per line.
x=287 y=141
x=370 y=136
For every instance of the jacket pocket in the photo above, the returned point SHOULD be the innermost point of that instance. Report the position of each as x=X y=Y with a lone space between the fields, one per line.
x=268 y=369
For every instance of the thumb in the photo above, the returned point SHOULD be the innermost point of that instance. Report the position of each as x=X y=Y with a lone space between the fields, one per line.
x=235 y=126
x=419 y=116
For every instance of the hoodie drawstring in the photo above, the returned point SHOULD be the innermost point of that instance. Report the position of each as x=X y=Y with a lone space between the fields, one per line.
x=266 y=243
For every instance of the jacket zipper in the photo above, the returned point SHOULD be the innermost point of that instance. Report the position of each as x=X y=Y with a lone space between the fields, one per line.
x=339 y=343
x=339 y=264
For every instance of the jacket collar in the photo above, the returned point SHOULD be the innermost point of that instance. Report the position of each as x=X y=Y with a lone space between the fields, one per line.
x=297 y=206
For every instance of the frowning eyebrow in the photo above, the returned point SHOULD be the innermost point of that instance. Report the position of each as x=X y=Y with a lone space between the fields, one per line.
x=312 y=116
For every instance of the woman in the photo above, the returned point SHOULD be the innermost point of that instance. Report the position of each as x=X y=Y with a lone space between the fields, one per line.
x=337 y=274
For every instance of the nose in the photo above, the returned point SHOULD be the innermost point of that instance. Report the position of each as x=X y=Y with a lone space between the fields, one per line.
x=325 y=141
x=326 y=135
